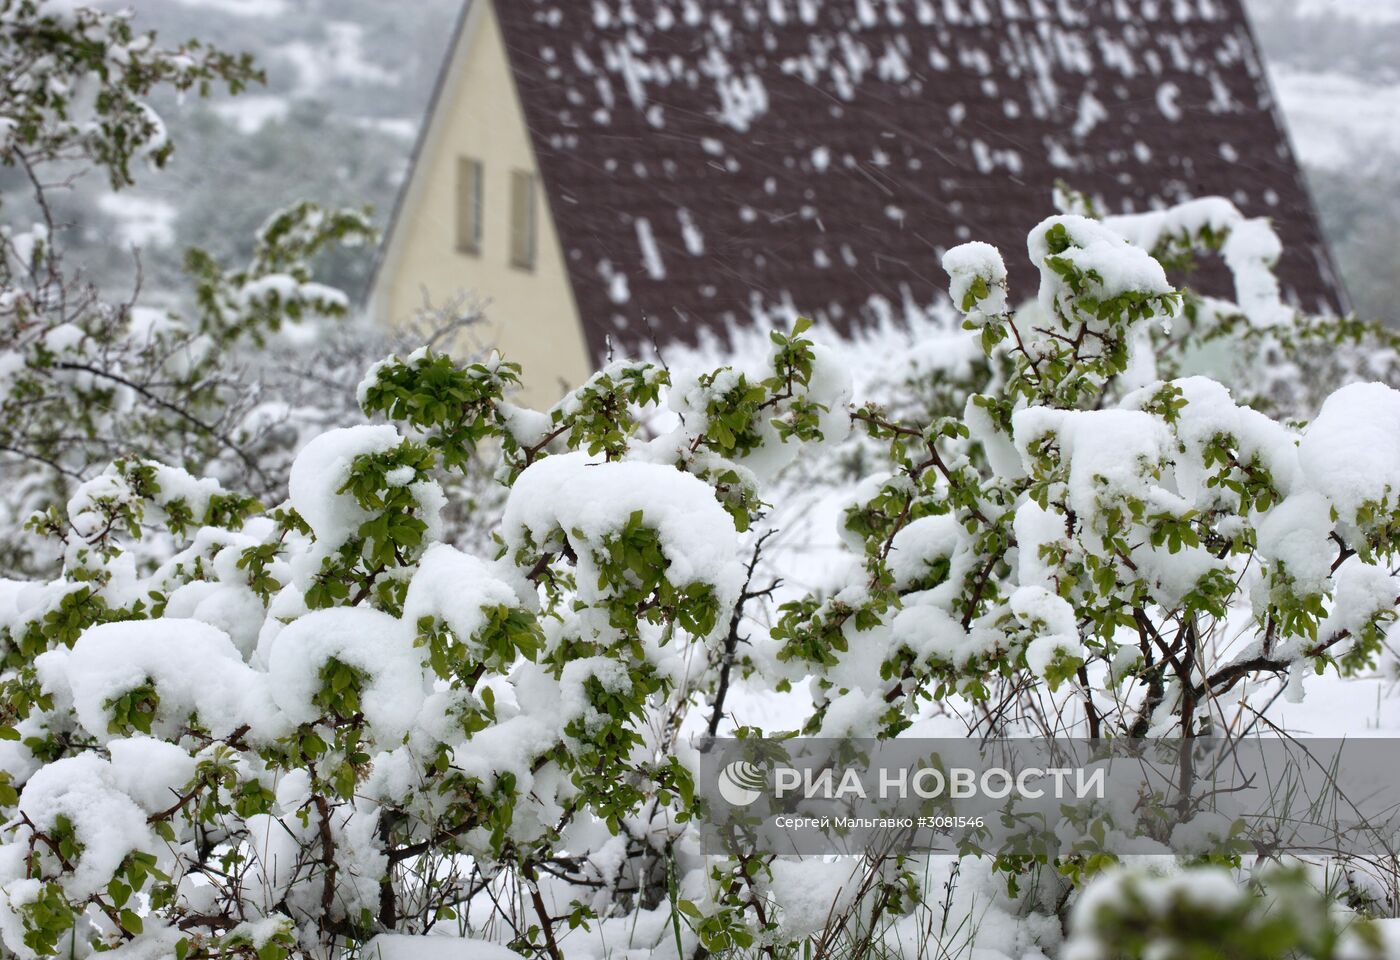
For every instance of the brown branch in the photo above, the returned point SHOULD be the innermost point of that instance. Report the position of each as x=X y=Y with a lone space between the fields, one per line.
x=193 y=792
x=388 y=902
x=323 y=812
x=732 y=638
x=1090 y=712
x=546 y=921
x=1226 y=677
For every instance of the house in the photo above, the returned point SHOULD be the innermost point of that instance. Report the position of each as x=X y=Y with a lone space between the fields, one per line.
x=609 y=173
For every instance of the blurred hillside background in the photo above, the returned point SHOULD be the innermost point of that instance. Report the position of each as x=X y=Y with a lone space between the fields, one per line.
x=348 y=81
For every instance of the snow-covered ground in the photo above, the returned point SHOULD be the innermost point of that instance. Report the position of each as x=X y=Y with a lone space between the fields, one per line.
x=1364 y=11
x=1338 y=121
x=140 y=221
x=251 y=112
x=241 y=8
x=339 y=57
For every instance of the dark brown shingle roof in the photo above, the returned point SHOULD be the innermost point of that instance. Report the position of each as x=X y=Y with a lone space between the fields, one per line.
x=707 y=158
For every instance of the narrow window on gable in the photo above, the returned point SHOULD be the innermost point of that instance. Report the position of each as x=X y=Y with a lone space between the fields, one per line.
x=522 y=220
x=468 y=205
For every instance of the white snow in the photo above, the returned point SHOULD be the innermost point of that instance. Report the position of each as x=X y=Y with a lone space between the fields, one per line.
x=1211 y=412
x=1109 y=452
x=391 y=946
x=106 y=821
x=1251 y=248
x=1294 y=534
x=241 y=8
x=1351 y=453
x=1167 y=95
x=455 y=588
x=195 y=669
x=1035 y=527
x=1362 y=11
x=922 y=543
x=1338 y=121
x=691 y=233
x=152 y=772
x=651 y=253
x=965 y=264
x=231 y=607
x=585 y=501
x=811 y=891
x=1121 y=267
x=322 y=468
x=339 y=57
x=250 y=113
x=368 y=640
x=141 y=221
x=1091 y=113
x=1052 y=620
x=1362 y=590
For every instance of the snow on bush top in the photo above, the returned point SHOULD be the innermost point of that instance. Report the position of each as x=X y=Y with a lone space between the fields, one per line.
x=1079 y=257
x=1250 y=248
x=590 y=504
x=365 y=650
x=156 y=676
x=322 y=469
x=1351 y=452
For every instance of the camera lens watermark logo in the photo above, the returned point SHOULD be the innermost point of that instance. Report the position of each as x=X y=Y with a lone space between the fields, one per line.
x=741 y=783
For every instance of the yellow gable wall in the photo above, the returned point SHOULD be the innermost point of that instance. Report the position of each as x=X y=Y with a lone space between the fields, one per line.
x=532 y=317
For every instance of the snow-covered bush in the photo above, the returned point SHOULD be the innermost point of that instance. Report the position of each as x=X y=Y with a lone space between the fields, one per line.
x=318 y=729
x=85 y=379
